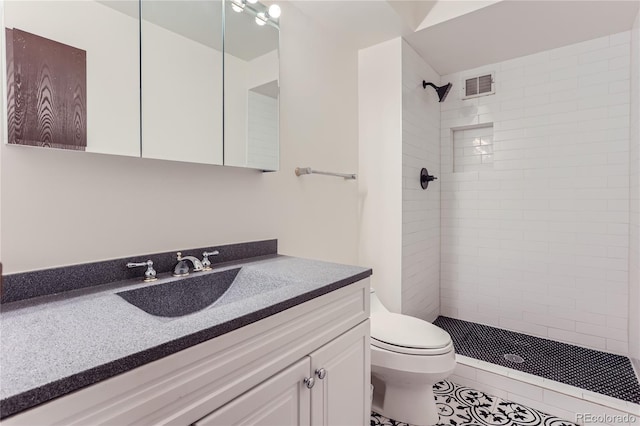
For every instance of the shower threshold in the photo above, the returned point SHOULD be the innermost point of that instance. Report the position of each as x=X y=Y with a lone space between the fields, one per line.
x=587 y=369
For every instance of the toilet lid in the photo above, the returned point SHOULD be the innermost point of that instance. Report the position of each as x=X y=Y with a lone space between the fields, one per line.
x=408 y=332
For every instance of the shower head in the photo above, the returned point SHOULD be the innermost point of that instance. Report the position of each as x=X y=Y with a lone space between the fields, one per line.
x=443 y=91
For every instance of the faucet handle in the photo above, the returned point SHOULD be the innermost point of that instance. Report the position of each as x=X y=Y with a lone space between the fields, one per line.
x=149 y=274
x=206 y=263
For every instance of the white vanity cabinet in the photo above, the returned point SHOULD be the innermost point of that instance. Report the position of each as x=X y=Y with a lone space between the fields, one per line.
x=324 y=388
x=253 y=375
x=336 y=397
x=279 y=401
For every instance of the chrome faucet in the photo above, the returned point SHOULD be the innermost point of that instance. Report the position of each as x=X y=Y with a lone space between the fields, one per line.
x=182 y=268
x=206 y=263
x=150 y=273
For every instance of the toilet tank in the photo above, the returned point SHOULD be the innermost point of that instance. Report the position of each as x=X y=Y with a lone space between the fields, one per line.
x=376 y=304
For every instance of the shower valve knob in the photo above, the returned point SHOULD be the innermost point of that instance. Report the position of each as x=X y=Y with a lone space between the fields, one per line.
x=425 y=178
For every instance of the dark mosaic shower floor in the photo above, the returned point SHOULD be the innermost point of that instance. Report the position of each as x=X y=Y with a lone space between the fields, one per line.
x=596 y=371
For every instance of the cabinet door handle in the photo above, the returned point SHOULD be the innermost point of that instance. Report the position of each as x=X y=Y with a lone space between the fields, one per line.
x=321 y=373
x=309 y=382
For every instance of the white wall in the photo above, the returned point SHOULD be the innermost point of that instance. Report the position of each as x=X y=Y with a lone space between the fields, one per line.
x=540 y=244
x=399 y=135
x=181 y=97
x=111 y=41
x=634 y=186
x=420 y=208
x=380 y=172
x=62 y=207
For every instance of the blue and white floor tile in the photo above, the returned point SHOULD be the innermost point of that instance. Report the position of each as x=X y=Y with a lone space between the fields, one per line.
x=463 y=406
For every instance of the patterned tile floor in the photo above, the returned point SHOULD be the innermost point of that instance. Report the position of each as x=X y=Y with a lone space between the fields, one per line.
x=596 y=371
x=463 y=406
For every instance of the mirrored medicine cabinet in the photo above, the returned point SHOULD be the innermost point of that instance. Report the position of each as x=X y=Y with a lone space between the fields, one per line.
x=183 y=80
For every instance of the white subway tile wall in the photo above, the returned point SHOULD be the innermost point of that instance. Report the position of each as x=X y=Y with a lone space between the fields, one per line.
x=473 y=149
x=540 y=243
x=420 y=208
x=262 y=131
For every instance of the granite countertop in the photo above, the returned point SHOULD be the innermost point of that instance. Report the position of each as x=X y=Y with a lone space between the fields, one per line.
x=53 y=345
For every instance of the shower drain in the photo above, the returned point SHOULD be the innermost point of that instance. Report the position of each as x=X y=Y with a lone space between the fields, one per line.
x=514 y=358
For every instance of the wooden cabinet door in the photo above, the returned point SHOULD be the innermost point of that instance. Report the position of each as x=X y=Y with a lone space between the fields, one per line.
x=282 y=400
x=341 y=397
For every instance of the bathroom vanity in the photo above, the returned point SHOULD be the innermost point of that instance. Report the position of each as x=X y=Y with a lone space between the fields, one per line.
x=287 y=343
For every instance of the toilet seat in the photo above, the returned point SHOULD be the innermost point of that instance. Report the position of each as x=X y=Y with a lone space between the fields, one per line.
x=411 y=351
x=408 y=335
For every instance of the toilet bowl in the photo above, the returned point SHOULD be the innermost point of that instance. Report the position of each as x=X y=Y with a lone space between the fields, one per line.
x=408 y=356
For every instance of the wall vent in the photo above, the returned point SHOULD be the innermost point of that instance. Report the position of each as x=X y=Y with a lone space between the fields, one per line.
x=478 y=86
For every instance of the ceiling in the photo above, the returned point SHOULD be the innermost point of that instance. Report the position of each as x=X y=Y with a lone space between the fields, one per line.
x=452 y=35
x=510 y=29
x=361 y=23
x=456 y=35
x=270 y=89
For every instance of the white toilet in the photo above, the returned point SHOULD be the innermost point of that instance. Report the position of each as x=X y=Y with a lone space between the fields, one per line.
x=408 y=356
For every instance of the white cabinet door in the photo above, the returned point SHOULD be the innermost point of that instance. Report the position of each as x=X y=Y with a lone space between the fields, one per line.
x=283 y=400
x=341 y=396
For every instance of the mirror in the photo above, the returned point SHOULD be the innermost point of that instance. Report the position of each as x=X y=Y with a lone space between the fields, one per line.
x=182 y=80
x=251 y=85
x=71 y=75
x=145 y=78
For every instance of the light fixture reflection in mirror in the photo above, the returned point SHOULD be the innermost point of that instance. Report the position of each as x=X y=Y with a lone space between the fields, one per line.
x=262 y=13
x=237 y=6
x=251 y=81
x=274 y=11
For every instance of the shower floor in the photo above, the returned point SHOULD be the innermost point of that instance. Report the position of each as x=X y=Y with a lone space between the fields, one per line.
x=596 y=371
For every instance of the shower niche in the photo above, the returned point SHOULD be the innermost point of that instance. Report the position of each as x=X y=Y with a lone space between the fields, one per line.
x=473 y=148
